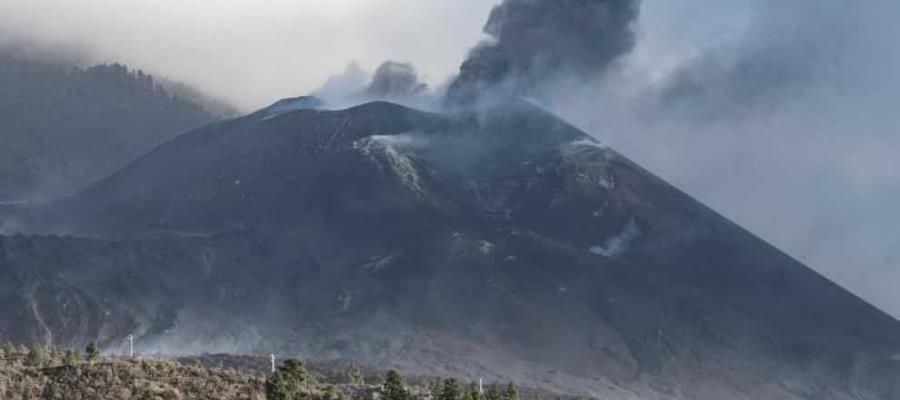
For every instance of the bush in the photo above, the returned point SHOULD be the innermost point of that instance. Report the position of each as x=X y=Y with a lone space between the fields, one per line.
x=450 y=390
x=288 y=383
x=72 y=357
x=8 y=349
x=93 y=352
x=36 y=357
x=394 y=388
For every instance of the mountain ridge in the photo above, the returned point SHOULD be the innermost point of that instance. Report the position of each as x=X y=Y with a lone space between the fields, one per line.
x=65 y=127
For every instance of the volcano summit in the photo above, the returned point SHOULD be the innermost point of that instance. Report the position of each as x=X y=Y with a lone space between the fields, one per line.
x=497 y=242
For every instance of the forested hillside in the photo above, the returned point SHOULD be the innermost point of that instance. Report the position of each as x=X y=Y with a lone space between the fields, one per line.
x=64 y=127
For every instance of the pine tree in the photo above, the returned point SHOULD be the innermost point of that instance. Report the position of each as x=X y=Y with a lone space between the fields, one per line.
x=36 y=357
x=288 y=383
x=510 y=393
x=394 y=388
x=93 y=352
x=472 y=392
x=450 y=390
x=493 y=393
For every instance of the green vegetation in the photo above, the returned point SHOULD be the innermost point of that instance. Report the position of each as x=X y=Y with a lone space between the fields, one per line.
x=493 y=393
x=8 y=349
x=394 y=387
x=61 y=375
x=290 y=382
x=93 y=352
x=510 y=393
x=472 y=392
x=72 y=357
x=36 y=357
x=450 y=390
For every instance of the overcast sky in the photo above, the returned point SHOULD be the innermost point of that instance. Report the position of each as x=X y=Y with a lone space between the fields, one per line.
x=794 y=133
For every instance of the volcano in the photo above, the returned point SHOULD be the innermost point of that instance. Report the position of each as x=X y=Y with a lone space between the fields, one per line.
x=498 y=242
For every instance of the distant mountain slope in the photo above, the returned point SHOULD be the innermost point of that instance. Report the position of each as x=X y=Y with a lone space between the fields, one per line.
x=499 y=242
x=63 y=128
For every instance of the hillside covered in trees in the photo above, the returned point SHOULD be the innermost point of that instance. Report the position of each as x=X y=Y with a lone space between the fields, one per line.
x=64 y=127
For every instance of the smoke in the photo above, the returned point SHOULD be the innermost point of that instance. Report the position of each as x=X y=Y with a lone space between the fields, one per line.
x=396 y=80
x=781 y=56
x=393 y=80
x=784 y=123
x=346 y=87
x=536 y=41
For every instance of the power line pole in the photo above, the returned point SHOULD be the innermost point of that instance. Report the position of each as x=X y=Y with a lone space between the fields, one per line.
x=131 y=346
x=481 y=385
x=273 y=362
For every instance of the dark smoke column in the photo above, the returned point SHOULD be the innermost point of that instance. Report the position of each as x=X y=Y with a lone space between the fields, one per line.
x=538 y=40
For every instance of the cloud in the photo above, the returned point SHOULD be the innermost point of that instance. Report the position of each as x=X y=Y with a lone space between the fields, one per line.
x=252 y=53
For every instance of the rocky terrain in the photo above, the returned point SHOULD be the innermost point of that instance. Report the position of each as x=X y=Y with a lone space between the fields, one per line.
x=497 y=242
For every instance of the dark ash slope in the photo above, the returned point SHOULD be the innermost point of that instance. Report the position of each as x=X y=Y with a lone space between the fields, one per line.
x=498 y=240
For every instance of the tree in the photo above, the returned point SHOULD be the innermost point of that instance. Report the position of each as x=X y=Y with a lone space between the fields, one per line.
x=394 y=388
x=450 y=390
x=93 y=352
x=288 y=382
x=472 y=392
x=510 y=393
x=72 y=357
x=37 y=356
x=493 y=393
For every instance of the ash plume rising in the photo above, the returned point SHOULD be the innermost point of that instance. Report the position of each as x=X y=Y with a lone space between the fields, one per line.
x=395 y=79
x=536 y=41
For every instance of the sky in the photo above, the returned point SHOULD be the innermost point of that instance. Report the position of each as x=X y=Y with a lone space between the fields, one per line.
x=780 y=115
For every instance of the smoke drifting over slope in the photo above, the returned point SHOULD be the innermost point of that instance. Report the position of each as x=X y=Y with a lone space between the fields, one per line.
x=538 y=40
x=784 y=125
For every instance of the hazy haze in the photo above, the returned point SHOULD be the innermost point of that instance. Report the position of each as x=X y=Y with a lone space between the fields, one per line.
x=254 y=52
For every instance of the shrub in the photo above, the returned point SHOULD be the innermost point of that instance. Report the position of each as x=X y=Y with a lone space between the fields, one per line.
x=288 y=383
x=36 y=357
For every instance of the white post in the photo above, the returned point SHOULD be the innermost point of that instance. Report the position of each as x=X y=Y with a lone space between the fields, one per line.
x=131 y=346
x=273 y=363
x=481 y=385
x=49 y=340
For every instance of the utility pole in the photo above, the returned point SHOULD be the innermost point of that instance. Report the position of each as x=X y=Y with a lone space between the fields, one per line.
x=49 y=340
x=131 y=346
x=273 y=362
x=481 y=385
